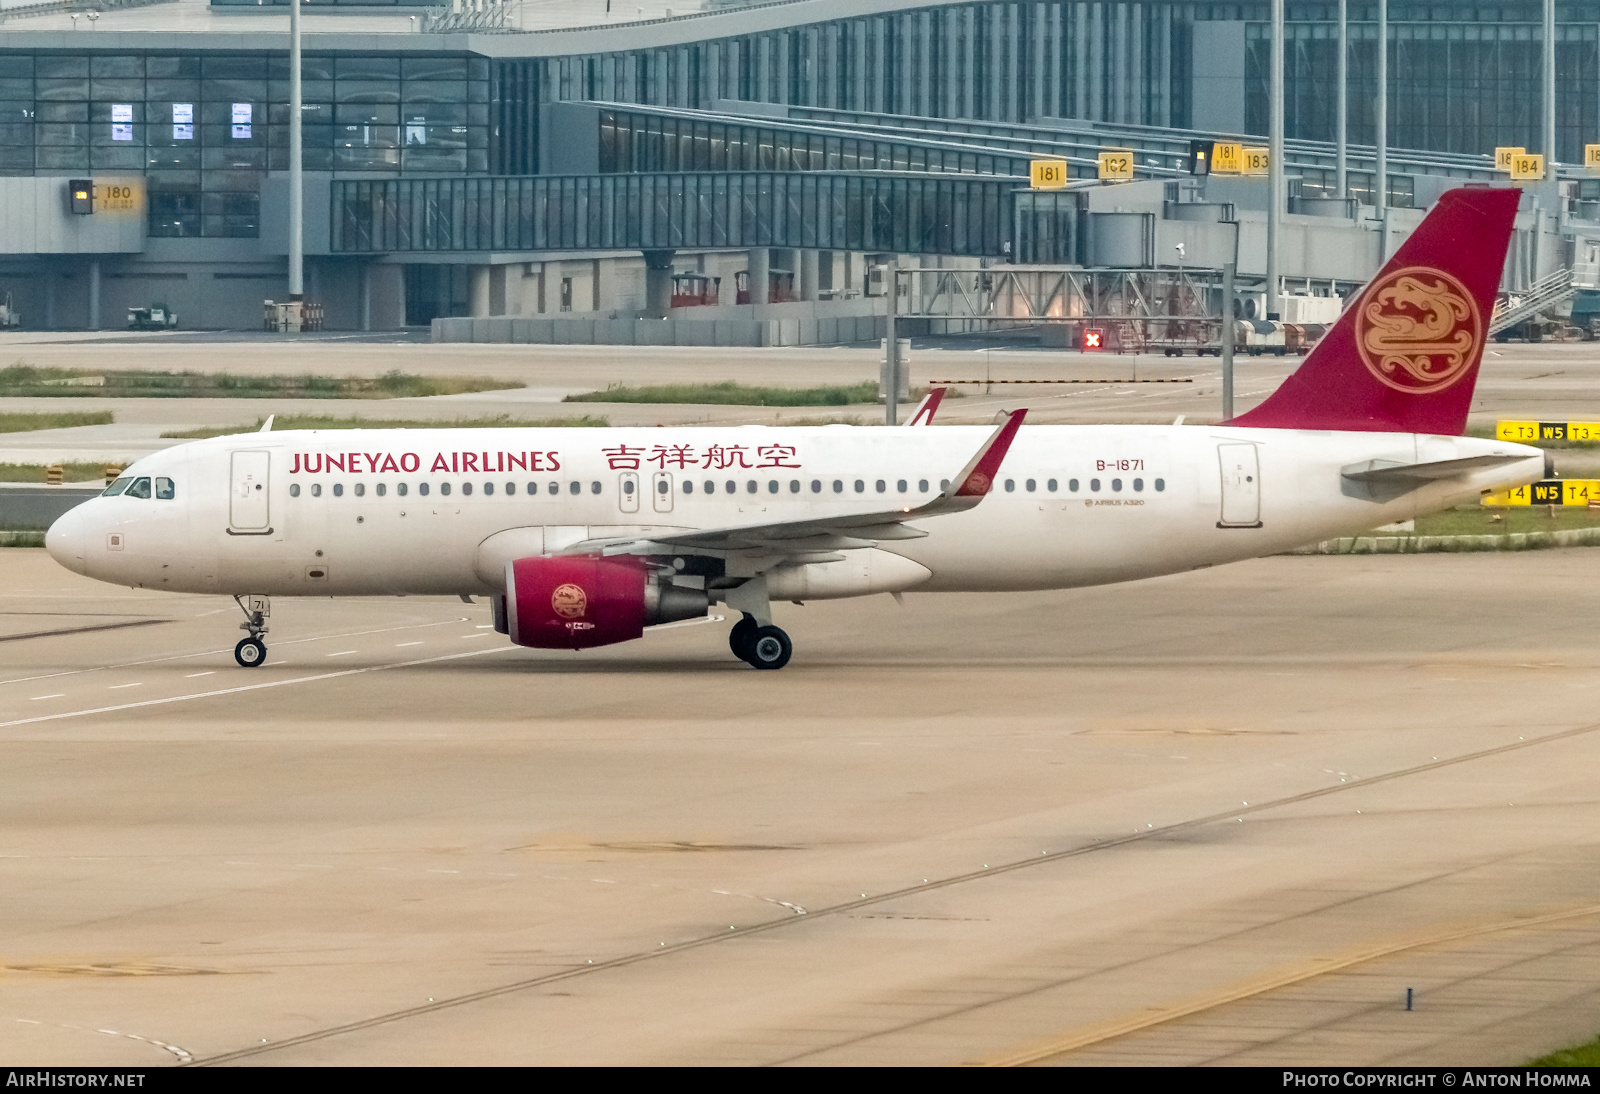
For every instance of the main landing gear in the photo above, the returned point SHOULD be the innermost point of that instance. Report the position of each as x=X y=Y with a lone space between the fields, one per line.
x=251 y=651
x=759 y=647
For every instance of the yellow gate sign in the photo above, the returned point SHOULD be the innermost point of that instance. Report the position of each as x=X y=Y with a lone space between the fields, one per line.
x=118 y=195
x=1047 y=174
x=1534 y=432
x=1116 y=166
x=1502 y=157
x=1548 y=492
x=1257 y=161
x=1527 y=168
x=1227 y=159
x=1591 y=156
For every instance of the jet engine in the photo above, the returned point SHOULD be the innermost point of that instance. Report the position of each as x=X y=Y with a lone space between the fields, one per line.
x=576 y=602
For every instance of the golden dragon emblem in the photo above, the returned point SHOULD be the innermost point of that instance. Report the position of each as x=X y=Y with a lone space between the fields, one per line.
x=1418 y=330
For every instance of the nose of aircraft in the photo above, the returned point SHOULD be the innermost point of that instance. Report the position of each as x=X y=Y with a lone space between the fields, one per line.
x=68 y=538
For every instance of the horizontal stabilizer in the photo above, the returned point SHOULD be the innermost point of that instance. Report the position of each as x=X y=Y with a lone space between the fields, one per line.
x=1391 y=471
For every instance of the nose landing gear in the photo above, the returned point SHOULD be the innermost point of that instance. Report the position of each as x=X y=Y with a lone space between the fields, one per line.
x=759 y=647
x=252 y=651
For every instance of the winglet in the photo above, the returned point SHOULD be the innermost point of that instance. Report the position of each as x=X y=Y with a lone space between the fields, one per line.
x=977 y=478
x=266 y=426
x=928 y=407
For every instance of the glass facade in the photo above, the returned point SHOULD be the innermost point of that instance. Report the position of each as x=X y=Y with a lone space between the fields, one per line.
x=631 y=142
x=1004 y=61
x=1455 y=84
x=913 y=214
x=204 y=129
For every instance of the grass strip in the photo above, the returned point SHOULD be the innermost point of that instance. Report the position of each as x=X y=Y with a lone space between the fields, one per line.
x=1513 y=519
x=26 y=423
x=1579 y=1056
x=18 y=381
x=732 y=394
x=34 y=472
x=317 y=421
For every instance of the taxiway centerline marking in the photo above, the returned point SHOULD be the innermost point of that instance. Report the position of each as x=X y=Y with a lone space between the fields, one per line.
x=846 y=907
x=246 y=687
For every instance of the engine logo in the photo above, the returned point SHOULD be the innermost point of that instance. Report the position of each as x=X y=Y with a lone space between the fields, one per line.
x=1418 y=330
x=569 y=601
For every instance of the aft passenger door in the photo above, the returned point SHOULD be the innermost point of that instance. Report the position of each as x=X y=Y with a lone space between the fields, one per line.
x=250 y=494
x=1241 y=486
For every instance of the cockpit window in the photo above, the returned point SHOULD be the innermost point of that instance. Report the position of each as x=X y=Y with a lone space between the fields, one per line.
x=140 y=488
x=118 y=487
x=165 y=491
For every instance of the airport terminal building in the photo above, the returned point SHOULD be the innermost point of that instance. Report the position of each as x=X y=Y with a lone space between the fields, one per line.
x=567 y=163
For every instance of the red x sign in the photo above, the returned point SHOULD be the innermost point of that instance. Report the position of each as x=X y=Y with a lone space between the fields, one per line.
x=1092 y=339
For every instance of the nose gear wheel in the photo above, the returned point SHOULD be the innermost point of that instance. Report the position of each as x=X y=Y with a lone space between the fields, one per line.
x=250 y=652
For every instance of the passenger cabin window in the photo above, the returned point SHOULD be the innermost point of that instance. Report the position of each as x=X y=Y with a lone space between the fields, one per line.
x=338 y=489
x=466 y=488
x=361 y=489
x=402 y=489
x=422 y=488
x=294 y=490
x=140 y=488
x=165 y=491
x=444 y=489
x=382 y=490
x=117 y=487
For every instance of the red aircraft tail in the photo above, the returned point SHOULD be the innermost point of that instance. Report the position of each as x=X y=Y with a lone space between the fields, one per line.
x=1404 y=356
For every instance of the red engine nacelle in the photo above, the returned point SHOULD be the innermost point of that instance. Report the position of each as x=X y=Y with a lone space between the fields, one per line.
x=575 y=603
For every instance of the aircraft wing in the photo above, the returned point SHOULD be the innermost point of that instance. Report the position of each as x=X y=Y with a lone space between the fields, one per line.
x=846 y=531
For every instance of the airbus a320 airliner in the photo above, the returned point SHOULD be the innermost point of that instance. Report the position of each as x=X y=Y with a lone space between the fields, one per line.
x=585 y=537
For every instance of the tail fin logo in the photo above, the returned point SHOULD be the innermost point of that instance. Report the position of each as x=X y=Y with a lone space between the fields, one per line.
x=1418 y=330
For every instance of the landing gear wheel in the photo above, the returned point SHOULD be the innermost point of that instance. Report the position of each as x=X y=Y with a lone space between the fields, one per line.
x=741 y=636
x=250 y=652
x=769 y=648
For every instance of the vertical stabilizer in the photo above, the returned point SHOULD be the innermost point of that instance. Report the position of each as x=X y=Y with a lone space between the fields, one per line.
x=1404 y=356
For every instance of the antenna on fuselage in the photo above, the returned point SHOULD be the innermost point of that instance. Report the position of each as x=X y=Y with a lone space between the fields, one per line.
x=266 y=426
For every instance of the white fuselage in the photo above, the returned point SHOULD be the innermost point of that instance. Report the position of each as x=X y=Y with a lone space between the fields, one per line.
x=395 y=512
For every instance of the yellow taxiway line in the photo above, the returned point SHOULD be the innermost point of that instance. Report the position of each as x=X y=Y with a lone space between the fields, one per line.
x=1281 y=977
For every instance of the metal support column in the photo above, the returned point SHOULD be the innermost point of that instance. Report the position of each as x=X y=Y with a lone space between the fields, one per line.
x=94 y=294
x=1277 y=198
x=891 y=345
x=1227 y=342
x=1341 y=167
x=1380 y=175
x=297 y=195
x=1550 y=88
